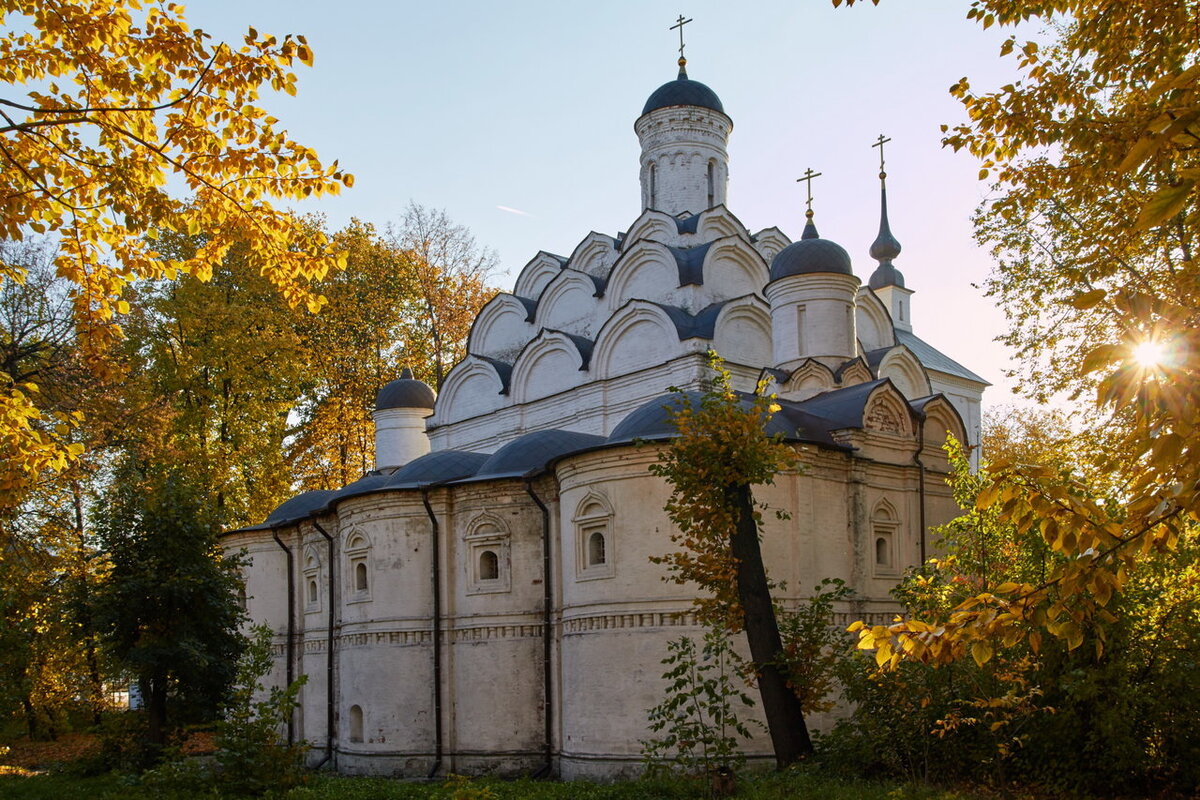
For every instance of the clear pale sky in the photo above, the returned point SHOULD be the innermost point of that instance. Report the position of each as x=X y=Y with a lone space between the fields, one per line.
x=479 y=107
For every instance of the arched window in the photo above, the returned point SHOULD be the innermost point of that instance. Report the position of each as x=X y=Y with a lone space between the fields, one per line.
x=358 y=560
x=356 y=723
x=594 y=538
x=885 y=525
x=596 y=555
x=488 y=569
x=489 y=566
x=312 y=581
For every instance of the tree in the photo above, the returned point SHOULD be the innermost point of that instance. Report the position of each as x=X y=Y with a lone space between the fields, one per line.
x=168 y=607
x=132 y=125
x=1102 y=714
x=220 y=365
x=1094 y=219
x=449 y=275
x=407 y=298
x=721 y=451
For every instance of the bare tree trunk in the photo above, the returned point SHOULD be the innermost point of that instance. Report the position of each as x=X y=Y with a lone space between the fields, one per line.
x=785 y=717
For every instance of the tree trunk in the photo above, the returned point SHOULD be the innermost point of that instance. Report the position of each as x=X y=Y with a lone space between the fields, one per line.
x=154 y=693
x=785 y=718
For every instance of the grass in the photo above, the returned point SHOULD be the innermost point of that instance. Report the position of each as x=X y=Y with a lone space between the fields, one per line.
x=797 y=784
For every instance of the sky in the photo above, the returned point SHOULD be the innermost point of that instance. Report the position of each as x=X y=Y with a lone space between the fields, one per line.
x=517 y=119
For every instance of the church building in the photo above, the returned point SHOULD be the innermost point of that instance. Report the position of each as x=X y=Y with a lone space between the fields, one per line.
x=484 y=600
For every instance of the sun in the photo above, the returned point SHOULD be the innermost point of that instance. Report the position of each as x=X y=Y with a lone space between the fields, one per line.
x=1150 y=354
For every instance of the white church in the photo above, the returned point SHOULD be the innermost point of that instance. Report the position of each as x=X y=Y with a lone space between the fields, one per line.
x=484 y=600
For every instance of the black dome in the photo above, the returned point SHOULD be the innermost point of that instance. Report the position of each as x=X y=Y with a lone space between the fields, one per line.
x=683 y=92
x=405 y=392
x=810 y=255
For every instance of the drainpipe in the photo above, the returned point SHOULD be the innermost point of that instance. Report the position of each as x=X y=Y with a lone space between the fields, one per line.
x=291 y=628
x=437 y=634
x=547 y=632
x=921 y=479
x=330 y=725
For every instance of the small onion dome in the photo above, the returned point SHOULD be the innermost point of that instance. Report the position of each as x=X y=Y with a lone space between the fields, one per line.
x=405 y=392
x=886 y=274
x=683 y=92
x=810 y=254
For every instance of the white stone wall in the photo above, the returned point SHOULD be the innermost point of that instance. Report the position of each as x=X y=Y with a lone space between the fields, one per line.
x=684 y=163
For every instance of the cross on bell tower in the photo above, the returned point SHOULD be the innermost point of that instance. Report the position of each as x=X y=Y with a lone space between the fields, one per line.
x=679 y=23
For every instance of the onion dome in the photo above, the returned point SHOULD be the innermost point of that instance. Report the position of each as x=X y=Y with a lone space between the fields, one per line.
x=405 y=392
x=885 y=247
x=683 y=92
x=810 y=255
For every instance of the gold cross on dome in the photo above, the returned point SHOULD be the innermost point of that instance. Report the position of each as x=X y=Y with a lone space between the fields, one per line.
x=679 y=24
x=880 y=142
x=808 y=179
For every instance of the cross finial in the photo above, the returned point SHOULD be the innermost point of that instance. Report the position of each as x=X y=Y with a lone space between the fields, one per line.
x=679 y=23
x=808 y=179
x=880 y=142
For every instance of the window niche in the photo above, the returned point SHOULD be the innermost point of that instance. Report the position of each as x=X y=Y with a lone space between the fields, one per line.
x=594 y=538
x=358 y=573
x=356 y=723
x=312 y=581
x=488 y=567
x=885 y=526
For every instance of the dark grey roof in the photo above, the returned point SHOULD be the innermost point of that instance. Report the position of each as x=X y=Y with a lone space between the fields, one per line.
x=700 y=326
x=934 y=359
x=810 y=255
x=299 y=507
x=843 y=408
x=687 y=224
x=690 y=261
x=683 y=92
x=440 y=466
x=600 y=283
x=651 y=421
x=405 y=392
x=533 y=451
x=372 y=481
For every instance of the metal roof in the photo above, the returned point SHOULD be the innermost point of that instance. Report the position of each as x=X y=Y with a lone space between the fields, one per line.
x=932 y=358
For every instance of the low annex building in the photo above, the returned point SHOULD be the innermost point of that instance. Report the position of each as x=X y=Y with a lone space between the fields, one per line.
x=484 y=601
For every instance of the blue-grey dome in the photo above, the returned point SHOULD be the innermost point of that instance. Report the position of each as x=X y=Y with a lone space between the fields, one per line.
x=405 y=392
x=652 y=419
x=683 y=92
x=437 y=467
x=534 y=451
x=299 y=507
x=808 y=256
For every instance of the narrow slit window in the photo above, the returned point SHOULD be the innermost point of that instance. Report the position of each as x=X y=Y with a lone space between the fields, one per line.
x=711 y=184
x=312 y=590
